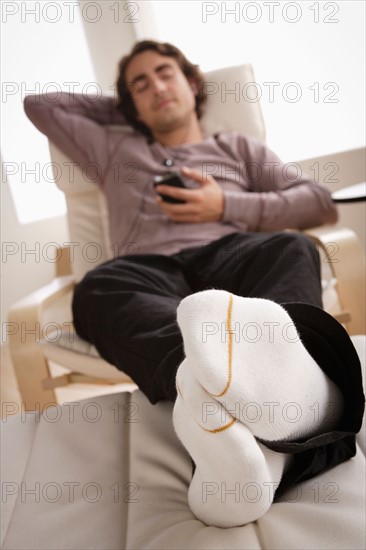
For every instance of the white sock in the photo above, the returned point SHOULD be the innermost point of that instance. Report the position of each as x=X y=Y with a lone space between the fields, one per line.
x=235 y=478
x=260 y=372
x=246 y=374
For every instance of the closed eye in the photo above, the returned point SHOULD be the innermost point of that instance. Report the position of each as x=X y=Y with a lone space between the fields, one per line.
x=166 y=73
x=141 y=86
x=141 y=82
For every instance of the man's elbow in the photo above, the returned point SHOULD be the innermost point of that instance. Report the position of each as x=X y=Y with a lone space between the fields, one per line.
x=30 y=102
x=332 y=214
x=31 y=98
x=327 y=209
x=324 y=216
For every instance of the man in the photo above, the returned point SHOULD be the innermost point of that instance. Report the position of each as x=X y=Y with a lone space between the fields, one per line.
x=179 y=314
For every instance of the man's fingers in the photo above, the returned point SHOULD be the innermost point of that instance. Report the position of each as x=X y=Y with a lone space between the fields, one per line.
x=177 y=209
x=194 y=175
x=180 y=212
x=188 y=195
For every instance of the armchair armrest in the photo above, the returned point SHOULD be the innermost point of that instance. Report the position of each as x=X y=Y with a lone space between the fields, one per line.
x=25 y=332
x=44 y=296
x=346 y=258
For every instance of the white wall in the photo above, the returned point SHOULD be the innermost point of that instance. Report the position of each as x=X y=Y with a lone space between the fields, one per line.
x=27 y=259
x=110 y=37
x=317 y=46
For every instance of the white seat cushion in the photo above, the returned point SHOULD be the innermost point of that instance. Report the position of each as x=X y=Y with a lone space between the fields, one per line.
x=125 y=449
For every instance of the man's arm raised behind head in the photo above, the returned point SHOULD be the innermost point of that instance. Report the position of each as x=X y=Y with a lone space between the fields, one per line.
x=75 y=123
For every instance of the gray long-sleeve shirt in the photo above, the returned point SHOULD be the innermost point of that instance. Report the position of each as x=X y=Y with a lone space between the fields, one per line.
x=260 y=192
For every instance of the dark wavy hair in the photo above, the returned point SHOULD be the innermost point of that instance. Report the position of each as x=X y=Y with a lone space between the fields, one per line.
x=125 y=102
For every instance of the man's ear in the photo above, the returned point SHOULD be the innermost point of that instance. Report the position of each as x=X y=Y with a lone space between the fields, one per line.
x=194 y=85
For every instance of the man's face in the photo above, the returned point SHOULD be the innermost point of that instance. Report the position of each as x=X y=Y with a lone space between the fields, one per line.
x=163 y=97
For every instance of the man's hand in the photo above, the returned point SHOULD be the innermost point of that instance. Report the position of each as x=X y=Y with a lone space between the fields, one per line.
x=204 y=204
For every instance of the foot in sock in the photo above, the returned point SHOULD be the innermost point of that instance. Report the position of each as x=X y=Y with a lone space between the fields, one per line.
x=246 y=375
x=235 y=477
x=247 y=354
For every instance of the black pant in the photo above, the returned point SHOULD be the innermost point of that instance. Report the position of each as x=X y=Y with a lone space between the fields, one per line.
x=127 y=308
